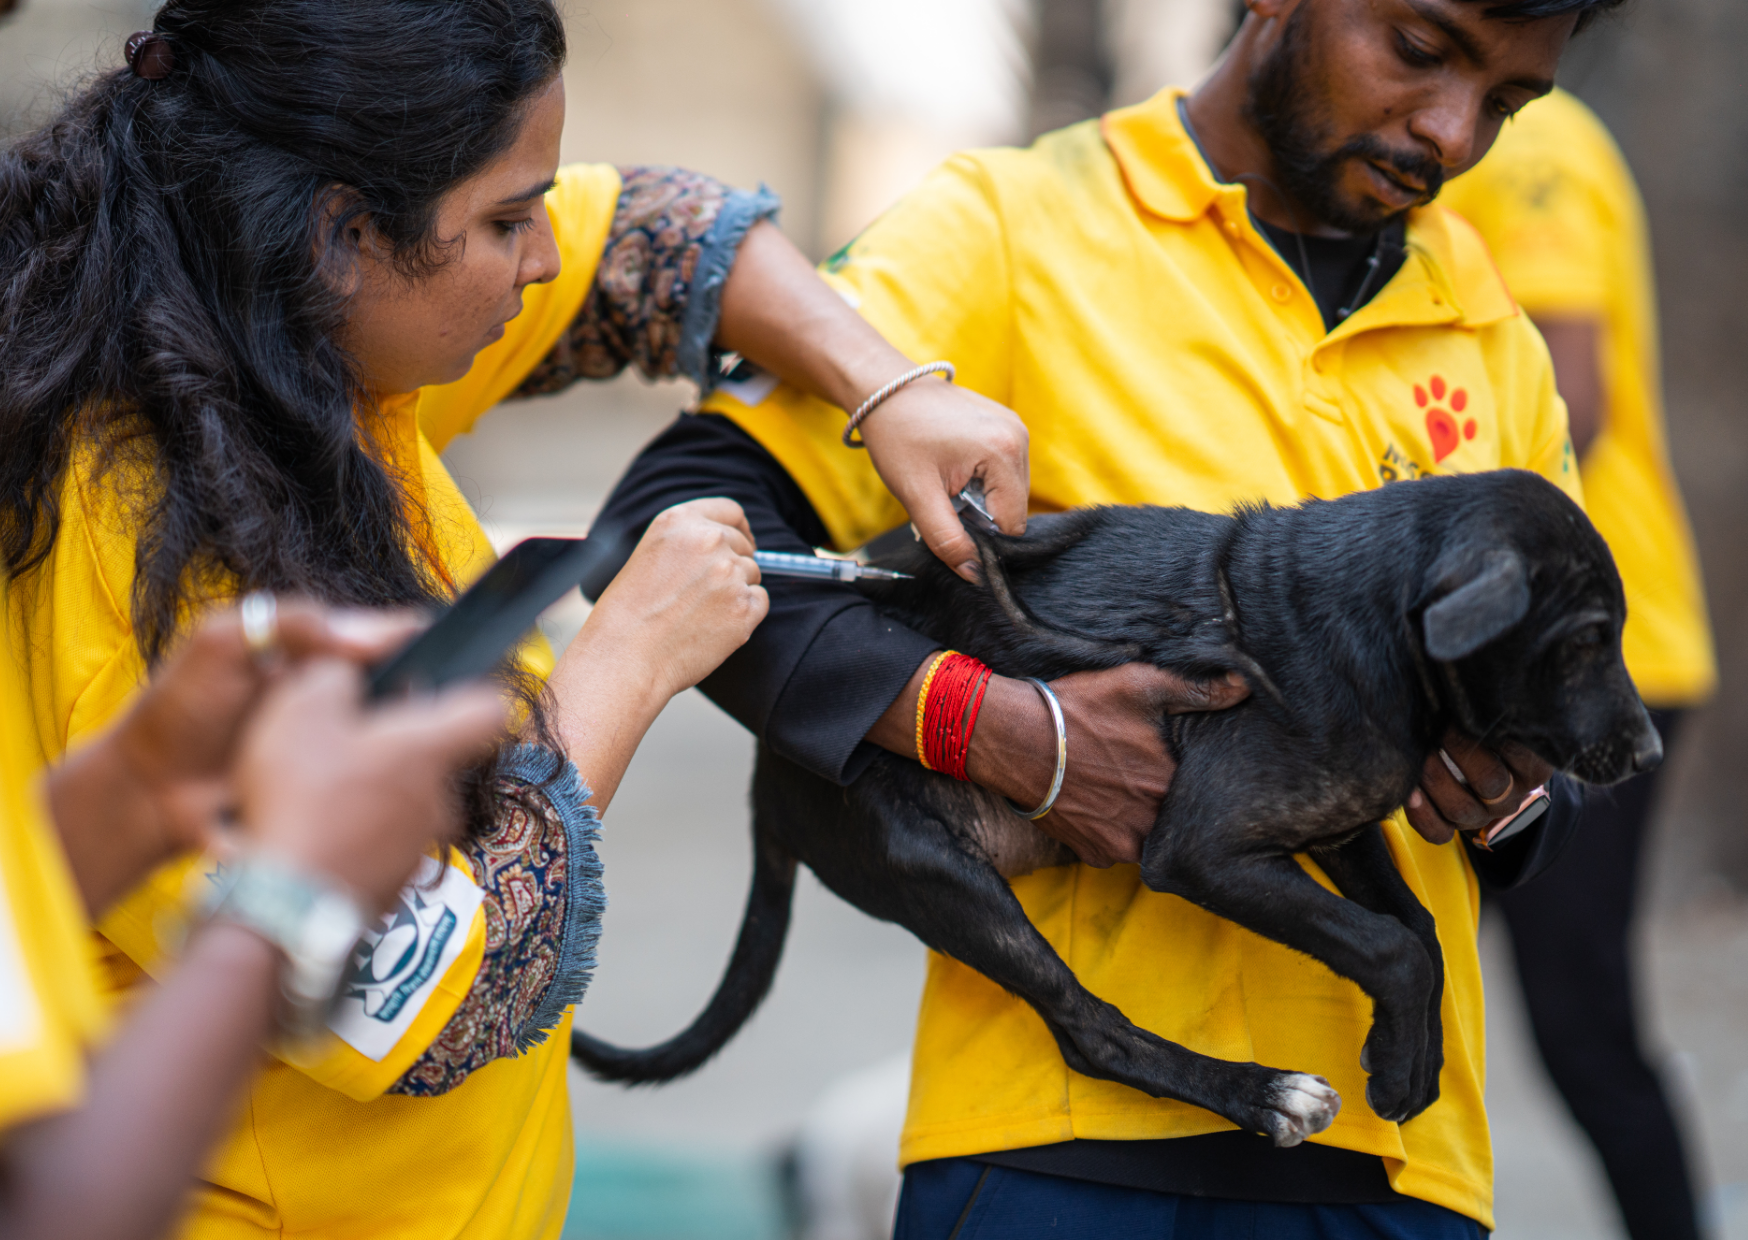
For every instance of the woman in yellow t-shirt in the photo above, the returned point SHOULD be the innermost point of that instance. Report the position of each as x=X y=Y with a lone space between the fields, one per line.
x=252 y=283
x=335 y=801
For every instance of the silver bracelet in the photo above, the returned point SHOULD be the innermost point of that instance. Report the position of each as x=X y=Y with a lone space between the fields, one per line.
x=311 y=922
x=873 y=402
x=1056 y=718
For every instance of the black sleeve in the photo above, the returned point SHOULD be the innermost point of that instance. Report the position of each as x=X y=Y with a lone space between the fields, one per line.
x=1519 y=860
x=825 y=664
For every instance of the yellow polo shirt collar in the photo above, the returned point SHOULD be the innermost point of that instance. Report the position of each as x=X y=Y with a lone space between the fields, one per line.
x=1448 y=278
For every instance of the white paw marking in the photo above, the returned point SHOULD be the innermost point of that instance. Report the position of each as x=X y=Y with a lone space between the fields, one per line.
x=1305 y=1105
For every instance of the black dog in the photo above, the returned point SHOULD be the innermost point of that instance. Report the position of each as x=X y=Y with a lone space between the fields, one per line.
x=1366 y=626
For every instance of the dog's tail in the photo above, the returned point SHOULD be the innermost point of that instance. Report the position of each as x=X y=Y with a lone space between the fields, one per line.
x=742 y=989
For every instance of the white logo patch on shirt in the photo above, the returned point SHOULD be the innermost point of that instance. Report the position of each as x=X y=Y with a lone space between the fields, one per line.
x=399 y=961
x=752 y=390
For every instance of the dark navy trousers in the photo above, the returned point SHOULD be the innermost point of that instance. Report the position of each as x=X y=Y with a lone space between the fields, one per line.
x=958 y=1199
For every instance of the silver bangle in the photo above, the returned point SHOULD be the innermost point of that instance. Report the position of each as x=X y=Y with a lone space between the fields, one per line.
x=314 y=924
x=873 y=402
x=1056 y=718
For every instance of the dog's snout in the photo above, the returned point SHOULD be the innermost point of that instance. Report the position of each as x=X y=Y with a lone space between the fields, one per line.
x=1648 y=753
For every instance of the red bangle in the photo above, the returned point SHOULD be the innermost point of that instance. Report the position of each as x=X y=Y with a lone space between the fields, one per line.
x=947 y=711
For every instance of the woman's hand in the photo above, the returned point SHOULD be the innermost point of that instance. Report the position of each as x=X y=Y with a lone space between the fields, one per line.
x=1118 y=766
x=156 y=783
x=1498 y=782
x=688 y=598
x=353 y=792
x=929 y=439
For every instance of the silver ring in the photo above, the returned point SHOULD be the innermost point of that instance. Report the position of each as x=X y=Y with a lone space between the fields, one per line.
x=259 y=612
x=1055 y=705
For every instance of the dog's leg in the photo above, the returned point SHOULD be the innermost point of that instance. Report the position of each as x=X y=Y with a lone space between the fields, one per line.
x=895 y=855
x=1216 y=855
x=1363 y=870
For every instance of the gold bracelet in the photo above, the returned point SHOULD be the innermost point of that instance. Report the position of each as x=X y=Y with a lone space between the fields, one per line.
x=922 y=699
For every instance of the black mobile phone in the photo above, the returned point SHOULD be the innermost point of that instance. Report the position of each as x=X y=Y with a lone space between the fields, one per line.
x=478 y=630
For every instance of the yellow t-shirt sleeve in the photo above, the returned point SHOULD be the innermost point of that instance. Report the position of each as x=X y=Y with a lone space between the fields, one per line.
x=50 y=1011
x=581 y=207
x=340 y=1066
x=932 y=276
x=50 y=1006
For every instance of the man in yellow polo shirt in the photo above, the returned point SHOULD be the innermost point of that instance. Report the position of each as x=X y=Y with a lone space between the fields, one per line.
x=1558 y=207
x=1237 y=295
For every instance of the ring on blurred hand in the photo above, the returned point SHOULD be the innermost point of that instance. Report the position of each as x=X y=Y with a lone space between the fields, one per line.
x=259 y=612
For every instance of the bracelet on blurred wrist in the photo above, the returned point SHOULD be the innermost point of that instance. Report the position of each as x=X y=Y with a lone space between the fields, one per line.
x=875 y=401
x=312 y=922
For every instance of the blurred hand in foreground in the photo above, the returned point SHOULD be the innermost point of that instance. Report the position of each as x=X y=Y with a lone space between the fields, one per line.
x=356 y=792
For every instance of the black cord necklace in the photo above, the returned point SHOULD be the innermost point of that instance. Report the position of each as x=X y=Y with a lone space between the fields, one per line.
x=1374 y=262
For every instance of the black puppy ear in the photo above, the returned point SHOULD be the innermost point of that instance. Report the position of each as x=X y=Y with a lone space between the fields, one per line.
x=1488 y=603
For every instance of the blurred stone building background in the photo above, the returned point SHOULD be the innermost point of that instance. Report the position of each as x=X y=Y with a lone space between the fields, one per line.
x=840 y=106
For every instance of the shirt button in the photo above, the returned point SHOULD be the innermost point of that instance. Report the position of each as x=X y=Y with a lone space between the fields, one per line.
x=1232 y=228
x=1282 y=292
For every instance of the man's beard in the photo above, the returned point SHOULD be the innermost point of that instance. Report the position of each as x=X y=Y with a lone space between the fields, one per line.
x=1283 y=111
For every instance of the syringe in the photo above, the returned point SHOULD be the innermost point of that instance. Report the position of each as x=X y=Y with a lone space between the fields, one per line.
x=785 y=564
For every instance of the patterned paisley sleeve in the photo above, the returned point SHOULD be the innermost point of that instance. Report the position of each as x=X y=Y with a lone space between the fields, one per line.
x=658 y=289
x=543 y=905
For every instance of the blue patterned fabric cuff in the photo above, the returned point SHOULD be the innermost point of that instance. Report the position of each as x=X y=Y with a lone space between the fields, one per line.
x=585 y=894
x=697 y=358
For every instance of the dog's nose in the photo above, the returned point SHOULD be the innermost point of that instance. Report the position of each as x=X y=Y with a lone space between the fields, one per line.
x=1648 y=753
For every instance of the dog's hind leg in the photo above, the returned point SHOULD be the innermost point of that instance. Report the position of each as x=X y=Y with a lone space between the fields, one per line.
x=1363 y=870
x=896 y=856
x=1210 y=851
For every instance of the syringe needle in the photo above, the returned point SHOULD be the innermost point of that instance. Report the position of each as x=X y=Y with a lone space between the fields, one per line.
x=787 y=564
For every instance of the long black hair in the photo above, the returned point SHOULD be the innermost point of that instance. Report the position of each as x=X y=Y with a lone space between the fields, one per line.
x=168 y=281
x=171 y=276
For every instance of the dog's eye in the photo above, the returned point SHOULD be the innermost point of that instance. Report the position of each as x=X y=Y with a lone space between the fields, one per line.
x=1586 y=638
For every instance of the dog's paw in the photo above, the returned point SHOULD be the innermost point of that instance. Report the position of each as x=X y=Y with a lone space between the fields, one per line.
x=1298 y=1106
x=1392 y=1098
x=1396 y=1069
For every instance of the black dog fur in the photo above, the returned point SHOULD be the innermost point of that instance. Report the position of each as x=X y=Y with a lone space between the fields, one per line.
x=1366 y=626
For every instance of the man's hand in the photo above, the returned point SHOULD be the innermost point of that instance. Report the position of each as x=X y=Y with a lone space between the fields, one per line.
x=1498 y=782
x=928 y=440
x=1118 y=765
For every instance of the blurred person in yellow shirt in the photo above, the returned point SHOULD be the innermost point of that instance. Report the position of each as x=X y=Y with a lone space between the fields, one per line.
x=1241 y=294
x=1558 y=207
x=335 y=804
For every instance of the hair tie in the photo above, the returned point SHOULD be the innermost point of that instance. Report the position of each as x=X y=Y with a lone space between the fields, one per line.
x=149 y=55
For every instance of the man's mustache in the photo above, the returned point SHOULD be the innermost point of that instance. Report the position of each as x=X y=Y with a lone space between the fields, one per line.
x=1413 y=167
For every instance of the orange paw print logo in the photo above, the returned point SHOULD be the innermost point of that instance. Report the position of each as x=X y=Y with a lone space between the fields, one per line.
x=1441 y=423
